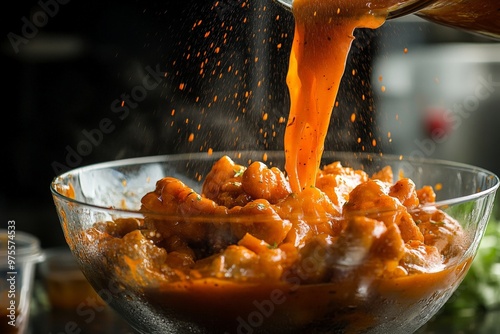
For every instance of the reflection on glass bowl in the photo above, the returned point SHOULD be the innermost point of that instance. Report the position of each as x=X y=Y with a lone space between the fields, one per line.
x=175 y=266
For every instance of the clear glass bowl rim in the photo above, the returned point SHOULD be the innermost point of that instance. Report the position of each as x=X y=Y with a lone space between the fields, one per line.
x=495 y=181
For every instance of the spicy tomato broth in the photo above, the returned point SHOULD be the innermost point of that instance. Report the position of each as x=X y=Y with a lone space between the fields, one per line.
x=306 y=240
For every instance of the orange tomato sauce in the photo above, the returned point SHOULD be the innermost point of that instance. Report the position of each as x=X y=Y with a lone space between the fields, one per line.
x=321 y=44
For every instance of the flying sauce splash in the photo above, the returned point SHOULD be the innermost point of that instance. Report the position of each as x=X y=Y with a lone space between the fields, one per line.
x=323 y=37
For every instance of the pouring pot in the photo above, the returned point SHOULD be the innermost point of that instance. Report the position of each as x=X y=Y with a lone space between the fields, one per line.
x=477 y=16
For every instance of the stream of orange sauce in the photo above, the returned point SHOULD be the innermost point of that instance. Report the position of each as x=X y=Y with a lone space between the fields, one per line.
x=323 y=37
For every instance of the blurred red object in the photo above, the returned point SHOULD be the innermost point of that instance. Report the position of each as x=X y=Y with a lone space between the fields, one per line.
x=438 y=123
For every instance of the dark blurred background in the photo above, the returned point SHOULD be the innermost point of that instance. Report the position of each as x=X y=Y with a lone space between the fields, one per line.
x=68 y=66
x=87 y=82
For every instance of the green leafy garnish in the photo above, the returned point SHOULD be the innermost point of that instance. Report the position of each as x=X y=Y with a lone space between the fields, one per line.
x=480 y=289
x=436 y=223
x=261 y=206
x=273 y=246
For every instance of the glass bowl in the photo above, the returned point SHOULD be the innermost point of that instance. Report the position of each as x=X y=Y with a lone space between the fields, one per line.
x=193 y=267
